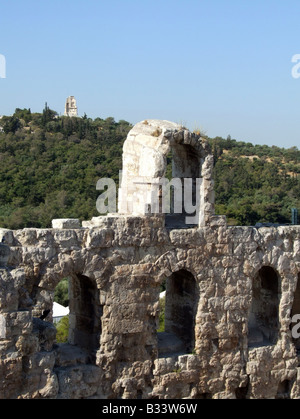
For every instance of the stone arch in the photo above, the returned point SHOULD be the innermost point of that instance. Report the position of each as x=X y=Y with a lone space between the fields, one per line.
x=284 y=390
x=145 y=155
x=169 y=263
x=85 y=313
x=263 y=323
x=181 y=304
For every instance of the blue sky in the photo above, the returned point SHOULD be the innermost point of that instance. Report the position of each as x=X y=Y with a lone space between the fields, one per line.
x=220 y=65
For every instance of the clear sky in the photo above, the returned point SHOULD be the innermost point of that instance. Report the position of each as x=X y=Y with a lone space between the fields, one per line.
x=224 y=66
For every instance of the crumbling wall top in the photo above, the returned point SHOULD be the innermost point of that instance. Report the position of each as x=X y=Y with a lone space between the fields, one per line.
x=150 y=146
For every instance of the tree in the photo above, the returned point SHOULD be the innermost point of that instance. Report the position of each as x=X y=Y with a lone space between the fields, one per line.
x=61 y=295
x=24 y=114
x=48 y=115
x=11 y=124
x=62 y=328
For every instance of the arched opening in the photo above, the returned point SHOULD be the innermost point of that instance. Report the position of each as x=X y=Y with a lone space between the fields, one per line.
x=186 y=164
x=181 y=301
x=159 y=156
x=284 y=390
x=296 y=312
x=85 y=313
x=264 y=316
x=82 y=340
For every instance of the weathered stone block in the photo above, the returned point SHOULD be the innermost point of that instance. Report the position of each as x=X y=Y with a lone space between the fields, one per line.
x=66 y=223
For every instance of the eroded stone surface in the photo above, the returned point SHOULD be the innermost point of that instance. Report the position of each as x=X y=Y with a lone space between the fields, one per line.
x=127 y=267
x=115 y=266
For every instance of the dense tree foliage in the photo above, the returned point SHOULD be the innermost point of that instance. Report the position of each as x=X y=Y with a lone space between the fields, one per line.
x=61 y=295
x=255 y=183
x=50 y=166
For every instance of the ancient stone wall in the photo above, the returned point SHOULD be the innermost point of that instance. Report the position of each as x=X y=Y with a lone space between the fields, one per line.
x=126 y=260
x=230 y=296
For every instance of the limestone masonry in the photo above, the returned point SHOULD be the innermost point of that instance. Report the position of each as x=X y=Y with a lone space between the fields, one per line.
x=230 y=295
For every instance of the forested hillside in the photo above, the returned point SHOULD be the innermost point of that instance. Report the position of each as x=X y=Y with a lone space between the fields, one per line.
x=50 y=166
x=255 y=183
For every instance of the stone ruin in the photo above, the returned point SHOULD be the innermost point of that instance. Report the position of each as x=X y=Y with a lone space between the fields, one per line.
x=71 y=107
x=231 y=293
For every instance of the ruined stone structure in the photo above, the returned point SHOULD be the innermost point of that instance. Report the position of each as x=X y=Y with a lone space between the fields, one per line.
x=230 y=296
x=71 y=107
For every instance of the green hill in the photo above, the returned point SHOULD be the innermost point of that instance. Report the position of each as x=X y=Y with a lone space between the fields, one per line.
x=255 y=183
x=50 y=166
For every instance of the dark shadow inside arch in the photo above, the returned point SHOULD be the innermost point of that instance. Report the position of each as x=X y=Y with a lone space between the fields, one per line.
x=263 y=323
x=85 y=314
x=186 y=163
x=181 y=302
